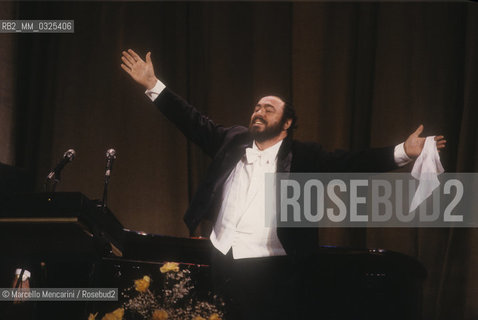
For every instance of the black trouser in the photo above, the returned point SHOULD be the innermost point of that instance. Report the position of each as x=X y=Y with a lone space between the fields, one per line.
x=256 y=288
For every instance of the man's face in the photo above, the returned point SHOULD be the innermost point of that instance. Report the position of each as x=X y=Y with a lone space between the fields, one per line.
x=266 y=119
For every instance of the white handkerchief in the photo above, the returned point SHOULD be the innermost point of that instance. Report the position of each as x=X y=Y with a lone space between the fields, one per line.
x=426 y=169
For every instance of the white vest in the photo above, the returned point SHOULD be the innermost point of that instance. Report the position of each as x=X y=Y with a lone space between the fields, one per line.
x=241 y=221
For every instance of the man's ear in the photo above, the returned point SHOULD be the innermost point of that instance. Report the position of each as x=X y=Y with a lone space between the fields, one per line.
x=287 y=124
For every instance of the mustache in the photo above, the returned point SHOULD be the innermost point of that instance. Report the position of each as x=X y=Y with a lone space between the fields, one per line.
x=259 y=118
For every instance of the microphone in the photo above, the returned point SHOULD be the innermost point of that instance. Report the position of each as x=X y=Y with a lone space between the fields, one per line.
x=68 y=156
x=110 y=158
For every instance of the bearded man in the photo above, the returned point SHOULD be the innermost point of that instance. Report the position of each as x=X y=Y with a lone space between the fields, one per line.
x=254 y=265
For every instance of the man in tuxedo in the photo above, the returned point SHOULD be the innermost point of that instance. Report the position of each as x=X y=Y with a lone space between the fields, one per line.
x=253 y=264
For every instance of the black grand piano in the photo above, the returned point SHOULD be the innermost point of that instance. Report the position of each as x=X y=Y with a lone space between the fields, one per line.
x=68 y=241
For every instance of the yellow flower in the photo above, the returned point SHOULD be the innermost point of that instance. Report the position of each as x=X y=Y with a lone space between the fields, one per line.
x=214 y=316
x=92 y=316
x=142 y=285
x=115 y=315
x=169 y=266
x=160 y=315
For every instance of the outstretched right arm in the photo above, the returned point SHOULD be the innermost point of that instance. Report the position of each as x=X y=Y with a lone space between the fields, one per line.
x=195 y=126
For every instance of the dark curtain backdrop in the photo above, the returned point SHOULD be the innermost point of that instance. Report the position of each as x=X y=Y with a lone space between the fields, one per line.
x=360 y=75
x=7 y=85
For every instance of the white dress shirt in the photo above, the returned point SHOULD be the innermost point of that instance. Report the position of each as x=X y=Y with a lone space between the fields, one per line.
x=241 y=221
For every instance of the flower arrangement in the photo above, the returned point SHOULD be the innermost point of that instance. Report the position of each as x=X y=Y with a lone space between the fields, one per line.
x=172 y=298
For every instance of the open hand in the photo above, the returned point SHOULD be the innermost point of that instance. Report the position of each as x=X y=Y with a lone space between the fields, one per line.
x=141 y=71
x=414 y=144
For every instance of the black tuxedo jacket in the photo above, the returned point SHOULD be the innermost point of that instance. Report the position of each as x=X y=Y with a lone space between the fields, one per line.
x=226 y=146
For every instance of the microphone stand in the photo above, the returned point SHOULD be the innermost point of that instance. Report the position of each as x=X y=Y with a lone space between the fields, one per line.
x=105 y=191
x=110 y=157
x=52 y=183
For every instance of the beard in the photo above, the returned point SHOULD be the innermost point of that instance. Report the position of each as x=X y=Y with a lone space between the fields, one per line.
x=267 y=133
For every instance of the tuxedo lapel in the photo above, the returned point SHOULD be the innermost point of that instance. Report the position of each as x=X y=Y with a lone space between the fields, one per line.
x=284 y=157
x=206 y=197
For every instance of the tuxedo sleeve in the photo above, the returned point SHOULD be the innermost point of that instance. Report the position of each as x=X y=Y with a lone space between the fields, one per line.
x=195 y=126
x=316 y=159
x=369 y=160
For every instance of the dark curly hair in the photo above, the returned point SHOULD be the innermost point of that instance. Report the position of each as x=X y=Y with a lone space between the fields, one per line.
x=289 y=113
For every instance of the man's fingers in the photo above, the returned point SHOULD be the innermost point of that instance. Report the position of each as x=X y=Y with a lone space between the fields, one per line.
x=148 y=58
x=128 y=56
x=419 y=130
x=439 y=138
x=125 y=68
x=134 y=55
x=441 y=144
x=127 y=62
